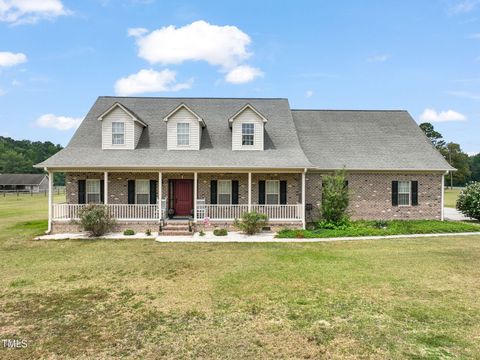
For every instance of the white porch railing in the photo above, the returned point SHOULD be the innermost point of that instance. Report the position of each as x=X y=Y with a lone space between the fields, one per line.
x=117 y=211
x=280 y=212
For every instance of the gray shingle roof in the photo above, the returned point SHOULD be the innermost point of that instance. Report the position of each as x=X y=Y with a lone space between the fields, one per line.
x=21 y=179
x=365 y=140
x=282 y=147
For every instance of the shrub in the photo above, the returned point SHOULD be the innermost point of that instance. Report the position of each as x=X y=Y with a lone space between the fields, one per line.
x=342 y=224
x=202 y=233
x=380 y=224
x=469 y=201
x=129 y=232
x=220 y=232
x=96 y=220
x=251 y=222
x=148 y=232
x=335 y=198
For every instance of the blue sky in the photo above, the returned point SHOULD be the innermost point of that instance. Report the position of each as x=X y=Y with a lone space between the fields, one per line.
x=57 y=56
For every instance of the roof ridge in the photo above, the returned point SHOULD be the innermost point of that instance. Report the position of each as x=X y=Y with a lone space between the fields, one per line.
x=193 y=97
x=354 y=110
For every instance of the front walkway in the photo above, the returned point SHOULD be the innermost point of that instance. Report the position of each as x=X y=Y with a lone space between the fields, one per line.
x=454 y=214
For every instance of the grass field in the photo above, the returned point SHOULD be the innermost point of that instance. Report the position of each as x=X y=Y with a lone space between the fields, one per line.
x=451 y=196
x=395 y=299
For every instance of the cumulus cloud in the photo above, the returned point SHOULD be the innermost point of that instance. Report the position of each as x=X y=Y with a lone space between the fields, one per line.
x=378 y=58
x=431 y=115
x=8 y=59
x=58 y=122
x=243 y=74
x=309 y=93
x=147 y=81
x=30 y=11
x=224 y=46
x=464 y=6
x=135 y=32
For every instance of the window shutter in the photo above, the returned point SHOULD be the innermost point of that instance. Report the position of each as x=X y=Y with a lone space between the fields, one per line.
x=171 y=194
x=261 y=192
x=82 y=184
x=131 y=191
x=283 y=192
x=102 y=191
x=153 y=191
x=394 y=193
x=213 y=191
x=345 y=184
x=414 y=193
x=234 y=192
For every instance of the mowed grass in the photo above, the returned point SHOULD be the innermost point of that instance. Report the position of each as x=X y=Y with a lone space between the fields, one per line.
x=384 y=299
x=451 y=196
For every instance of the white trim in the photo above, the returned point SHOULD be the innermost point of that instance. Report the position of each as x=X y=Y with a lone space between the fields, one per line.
x=105 y=188
x=137 y=193
x=304 y=224
x=183 y=134
x=50 y=201
x=409 y=193
x=249 y=192
x=118 y=133
x=183 y=106
x=195 y=184
x=117 y=104
x=99 y=191
x=230 y=121
x=218 y=192
x=252 y=134
x=160 y=180
x=266 y=193
x=442 y=201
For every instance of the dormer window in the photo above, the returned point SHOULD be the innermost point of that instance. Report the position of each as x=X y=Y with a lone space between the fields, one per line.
x=183 y=134
x=118 y=133
x=248 y=131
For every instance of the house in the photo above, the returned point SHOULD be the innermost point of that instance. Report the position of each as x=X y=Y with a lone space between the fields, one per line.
x=212 y=159
x=23 y=182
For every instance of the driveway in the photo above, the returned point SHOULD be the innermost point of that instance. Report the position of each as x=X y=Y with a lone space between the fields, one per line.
x=454 y=214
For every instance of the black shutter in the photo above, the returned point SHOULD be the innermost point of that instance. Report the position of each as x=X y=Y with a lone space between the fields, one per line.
x=394 y=193
x=234 y=192
x=153 y=191
x=131 y=191
x=414 y=193
x=261 y=192
x=283 y=192
x=345 y=184
x=171 y=194
x=81 y=191
x=102 y=191
x=213 y=191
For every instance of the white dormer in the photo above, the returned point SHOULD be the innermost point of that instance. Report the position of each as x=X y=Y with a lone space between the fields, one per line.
x=121 y=129
x=247 y=129
x=184 y=129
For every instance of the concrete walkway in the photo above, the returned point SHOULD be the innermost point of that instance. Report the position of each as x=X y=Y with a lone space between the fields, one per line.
x=454 y=214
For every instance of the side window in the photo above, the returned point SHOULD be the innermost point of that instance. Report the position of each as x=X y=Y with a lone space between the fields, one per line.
x=224 y=192
x=142 y=191
x=183 y=134
x=404 y=191
x=118 y=133
x=248 y=131
x=93 y=191
x=272 y=192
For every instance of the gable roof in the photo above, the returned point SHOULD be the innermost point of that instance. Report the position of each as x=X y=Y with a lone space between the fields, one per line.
x=247 y=106
x=124 y=108
x=365 y=140
x=21 y=179
x=183 y=106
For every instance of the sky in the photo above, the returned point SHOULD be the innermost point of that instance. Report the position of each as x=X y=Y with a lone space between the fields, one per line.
x=58 y=56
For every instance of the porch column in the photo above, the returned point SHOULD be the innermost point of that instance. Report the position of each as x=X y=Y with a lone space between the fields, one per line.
x=105 y=187
x=195 y=181
x=50 y=201
x=303 y=199
x=160 y=197
x=249 y=192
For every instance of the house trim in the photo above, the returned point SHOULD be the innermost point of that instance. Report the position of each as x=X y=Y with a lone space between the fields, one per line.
x=117 y=104
x=183 y=106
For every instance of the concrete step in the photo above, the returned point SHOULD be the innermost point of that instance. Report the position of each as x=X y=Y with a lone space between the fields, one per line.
x=175 y=233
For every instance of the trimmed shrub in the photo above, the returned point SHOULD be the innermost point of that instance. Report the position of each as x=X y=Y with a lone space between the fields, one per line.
x=96 y=220
x=129 y=232
x=220 y=232
x=202 y=233
x=469 y=201
x=251 y=222
x=335 y=198
x=148 y=232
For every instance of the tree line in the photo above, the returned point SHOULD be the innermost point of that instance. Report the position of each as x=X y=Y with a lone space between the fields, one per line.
x=468 y=167
x=19 y=156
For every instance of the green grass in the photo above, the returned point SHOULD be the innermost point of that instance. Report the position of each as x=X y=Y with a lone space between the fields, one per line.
x=388 y=299
x=395 y=227
x=451 y=196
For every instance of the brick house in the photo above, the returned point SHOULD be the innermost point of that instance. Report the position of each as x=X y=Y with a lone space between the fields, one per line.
x=156 y=160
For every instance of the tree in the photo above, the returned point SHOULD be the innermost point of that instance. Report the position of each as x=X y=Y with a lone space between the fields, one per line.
x=475 y=167
x=335 y=198
x=460 y=161
x=435 y=137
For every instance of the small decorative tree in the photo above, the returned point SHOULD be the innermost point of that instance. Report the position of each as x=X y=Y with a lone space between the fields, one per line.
x=251 y=222
x=469 y=201
x=96 y=220
x=335 y=198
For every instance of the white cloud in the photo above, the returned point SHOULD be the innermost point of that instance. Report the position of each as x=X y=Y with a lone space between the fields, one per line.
x=431 y=115
x=465 y=95
x=11 y=59
x=224 y=46
x=243 y=74
x=147 y=81
x=30 y=11
x=378 y=58
x=58 y=122
x=135 y=32
x=309 y=93
x=464 y=6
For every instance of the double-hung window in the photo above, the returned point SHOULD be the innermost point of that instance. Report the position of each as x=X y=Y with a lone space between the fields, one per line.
x=404 y=193
x=118 y=133
x=183 y=134
x=272 y=192
x=93 y=191
x=248 y=134
x=142 y=191
x=224 y=192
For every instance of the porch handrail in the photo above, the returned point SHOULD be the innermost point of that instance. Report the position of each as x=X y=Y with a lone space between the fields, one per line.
x=234 y=211
x=117 y=211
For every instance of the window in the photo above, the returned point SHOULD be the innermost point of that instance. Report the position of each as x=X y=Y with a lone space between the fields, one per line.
x=404 y=192
x=247 y=134
x=93 y=191
x=272 y=191
x=224 y=192
x=118 y=133
x=183 y=134
x=142 y=191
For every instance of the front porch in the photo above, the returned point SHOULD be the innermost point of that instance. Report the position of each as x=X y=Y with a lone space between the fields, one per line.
x=205 y=198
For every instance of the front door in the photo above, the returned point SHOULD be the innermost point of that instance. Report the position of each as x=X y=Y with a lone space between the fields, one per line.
x=183 y=197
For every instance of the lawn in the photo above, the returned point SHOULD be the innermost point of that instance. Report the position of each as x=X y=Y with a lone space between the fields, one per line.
x=415 y=298
x=451 y=196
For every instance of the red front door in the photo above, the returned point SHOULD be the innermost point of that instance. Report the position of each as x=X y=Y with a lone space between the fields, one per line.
x=183 y=197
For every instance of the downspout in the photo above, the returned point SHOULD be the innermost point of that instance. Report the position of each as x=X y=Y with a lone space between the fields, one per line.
x=442 y=203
